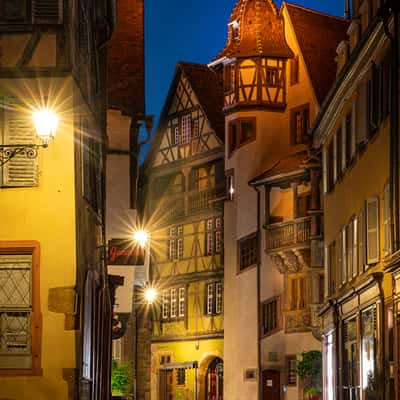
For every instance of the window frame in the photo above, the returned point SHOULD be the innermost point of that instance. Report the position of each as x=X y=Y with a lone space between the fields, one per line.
x=304 y=112
x=213 y=235
x=278 y=316
x=167 y=300
x=175 y=243
x=25 y=247
x=234 y=132
x=290 y=370
x=240 y=242
x=211 y=298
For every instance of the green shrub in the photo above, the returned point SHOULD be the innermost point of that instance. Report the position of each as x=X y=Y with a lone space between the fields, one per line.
x=310 y=366
x=119 y=378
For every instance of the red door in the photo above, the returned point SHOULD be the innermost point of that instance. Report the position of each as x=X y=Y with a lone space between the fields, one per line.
x=271 y=384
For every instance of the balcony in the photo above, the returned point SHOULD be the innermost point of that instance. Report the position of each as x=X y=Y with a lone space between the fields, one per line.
x=188 y=203
x=288 y=234
x=288 y=244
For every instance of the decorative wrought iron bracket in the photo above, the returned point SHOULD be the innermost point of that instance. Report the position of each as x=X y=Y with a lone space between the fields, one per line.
x=9 y=151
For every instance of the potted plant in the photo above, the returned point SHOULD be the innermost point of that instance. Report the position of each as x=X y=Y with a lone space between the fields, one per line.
x=309 y=368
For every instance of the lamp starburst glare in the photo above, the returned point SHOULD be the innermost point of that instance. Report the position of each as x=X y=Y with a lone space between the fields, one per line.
x=46 y=123
x=150 y=295
x=141 y=237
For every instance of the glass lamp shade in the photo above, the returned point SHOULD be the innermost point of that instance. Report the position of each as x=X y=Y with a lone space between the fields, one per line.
x=46 y=123
x=141 y=237
x=150 y=295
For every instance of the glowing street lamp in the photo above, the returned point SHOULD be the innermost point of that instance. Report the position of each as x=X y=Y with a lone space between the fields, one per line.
x=141 y=237
x=150 y=294
x=46 y=123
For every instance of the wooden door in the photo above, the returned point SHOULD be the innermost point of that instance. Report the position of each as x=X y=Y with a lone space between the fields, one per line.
x=271 y=384
x=166 y=384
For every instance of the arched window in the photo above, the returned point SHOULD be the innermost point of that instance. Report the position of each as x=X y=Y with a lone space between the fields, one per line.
x=215 y=380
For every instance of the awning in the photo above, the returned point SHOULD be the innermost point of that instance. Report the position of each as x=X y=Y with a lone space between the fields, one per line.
x=179 y=365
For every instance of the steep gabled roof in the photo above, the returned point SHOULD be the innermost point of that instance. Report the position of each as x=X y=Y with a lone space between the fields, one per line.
x=318 y=36
x=260 y=31
x=208 y=88
x=292 y=164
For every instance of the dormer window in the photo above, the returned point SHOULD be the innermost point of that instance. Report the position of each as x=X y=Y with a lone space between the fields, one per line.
x=235 y=27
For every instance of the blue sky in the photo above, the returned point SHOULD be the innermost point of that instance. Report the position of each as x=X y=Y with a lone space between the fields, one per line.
x=195 y=31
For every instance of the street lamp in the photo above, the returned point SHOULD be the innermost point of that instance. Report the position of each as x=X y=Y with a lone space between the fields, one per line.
x=150 y=294
x=46 y=123
x=142 y=238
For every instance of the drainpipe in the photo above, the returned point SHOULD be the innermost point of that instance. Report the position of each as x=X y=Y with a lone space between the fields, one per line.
x=391 y=7
x=260 y=392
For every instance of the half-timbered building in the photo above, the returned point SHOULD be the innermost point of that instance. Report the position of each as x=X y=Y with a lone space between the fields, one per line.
x=55 y=305
x=277 y=66
x=185 y=187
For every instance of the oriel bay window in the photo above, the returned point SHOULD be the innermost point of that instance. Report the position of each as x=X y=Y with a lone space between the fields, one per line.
x=173 y=304
x=19 y=307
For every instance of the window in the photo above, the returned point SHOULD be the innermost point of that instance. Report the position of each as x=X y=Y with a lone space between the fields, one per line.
x=91 y=164
x=175 y=243
x=196 y=128
x=368 y=353
x=186 y=125
x=213 y=236
x=19 y=307
x=329 y=166
x=332 y=269
x=214 y=298
x=272 y=75
x=270 y=316
x=175 y=136
x=12 y=11
x=248 y=251
x=229 y=78
x=386 y=221
x=300 y=123
x=173 y=303
x=297 y=291
x=330 y=374
x=350 y=356
x=180 y=376
x=372 y=231
x=294 y=70
x=291 y=368
x=241 y=132
x=16 y=127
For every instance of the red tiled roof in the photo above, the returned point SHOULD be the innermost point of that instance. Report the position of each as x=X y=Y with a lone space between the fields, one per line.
x=318 y=35
x=291 y=163
x=207 y=85
x=261 y=31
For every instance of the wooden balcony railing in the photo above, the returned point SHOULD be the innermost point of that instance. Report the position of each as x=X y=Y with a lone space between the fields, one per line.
x=289 y=233
x=188 y=203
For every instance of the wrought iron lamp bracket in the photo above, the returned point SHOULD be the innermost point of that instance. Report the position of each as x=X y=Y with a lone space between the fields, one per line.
x=9 y=151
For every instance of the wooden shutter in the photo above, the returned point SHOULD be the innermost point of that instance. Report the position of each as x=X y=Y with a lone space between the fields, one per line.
x=353 y=132
x=335 y=158
x=355 y=246
x=343 y=145
x=386 y=220
x=361 y=242
x=325 y=168
x=349 y=249
x=19 y=171
x=47 y=11
x=372 y=230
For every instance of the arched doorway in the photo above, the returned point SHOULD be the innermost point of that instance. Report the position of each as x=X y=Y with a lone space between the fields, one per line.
x=215 y=380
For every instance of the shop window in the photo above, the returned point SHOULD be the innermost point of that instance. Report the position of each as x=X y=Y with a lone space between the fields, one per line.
x=180 y=376
x=350 y=358
x=248 y=251
x=368 y=353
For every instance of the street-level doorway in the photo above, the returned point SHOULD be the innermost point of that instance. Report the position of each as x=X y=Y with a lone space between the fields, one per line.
x=271 y=384
x=215 y=380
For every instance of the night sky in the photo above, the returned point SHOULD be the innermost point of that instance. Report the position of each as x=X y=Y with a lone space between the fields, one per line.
x=195 y=31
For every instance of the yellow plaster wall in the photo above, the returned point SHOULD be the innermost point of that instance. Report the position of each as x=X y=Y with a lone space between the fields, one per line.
x=46 y=213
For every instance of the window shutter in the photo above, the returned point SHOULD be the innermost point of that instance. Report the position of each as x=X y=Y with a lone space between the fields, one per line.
x=335 y=158
x=343 y=144
x=361 y=243
x=355 y=246
x=327 y=274
x=372 y=230
x=362 y=110
x=386 y=220
x=47 y=11
x=19 y=171
x=325 y=169
x=349 y=249
x=353 y=132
